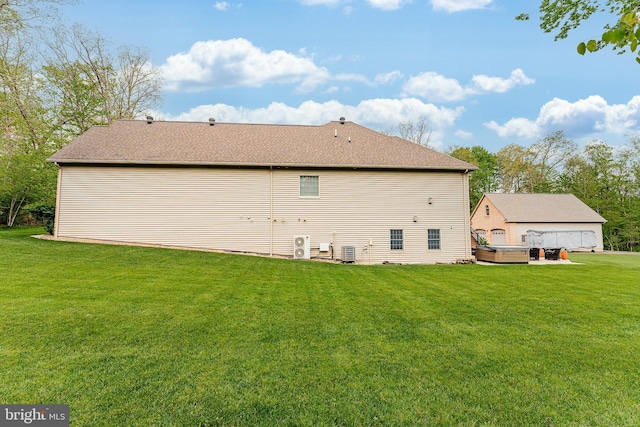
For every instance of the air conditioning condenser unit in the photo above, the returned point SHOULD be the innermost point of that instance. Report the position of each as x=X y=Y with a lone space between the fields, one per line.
x=348 y=254
x=301 y=247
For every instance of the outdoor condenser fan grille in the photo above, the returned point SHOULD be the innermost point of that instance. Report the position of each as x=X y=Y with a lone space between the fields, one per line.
x=301 y=247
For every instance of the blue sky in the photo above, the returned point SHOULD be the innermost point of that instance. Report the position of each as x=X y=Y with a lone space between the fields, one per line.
x=466 y=67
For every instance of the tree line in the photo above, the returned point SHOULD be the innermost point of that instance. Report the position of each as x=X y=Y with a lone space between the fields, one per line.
x=56 y=81
x=605 y=177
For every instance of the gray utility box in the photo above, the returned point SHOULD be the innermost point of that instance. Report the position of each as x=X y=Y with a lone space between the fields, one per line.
x=348 y=254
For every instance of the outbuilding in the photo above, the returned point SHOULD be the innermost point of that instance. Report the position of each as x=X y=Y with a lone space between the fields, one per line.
x=335 y=191
x=538 y=221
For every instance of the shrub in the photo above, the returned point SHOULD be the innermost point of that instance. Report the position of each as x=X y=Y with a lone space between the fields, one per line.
x=45 y=215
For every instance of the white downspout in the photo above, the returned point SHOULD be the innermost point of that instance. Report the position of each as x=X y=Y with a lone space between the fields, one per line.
x=57 y=212
x=271 y=210
x=467 y=215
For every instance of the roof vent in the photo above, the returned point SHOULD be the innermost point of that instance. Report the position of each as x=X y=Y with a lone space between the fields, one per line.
x=149 y=119
x=342 y=119
x=212 y=121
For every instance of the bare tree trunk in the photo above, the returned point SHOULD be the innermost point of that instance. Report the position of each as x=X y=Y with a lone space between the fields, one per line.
x=14 y=209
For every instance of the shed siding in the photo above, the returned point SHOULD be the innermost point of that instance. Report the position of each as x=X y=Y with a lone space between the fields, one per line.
x=230 y=209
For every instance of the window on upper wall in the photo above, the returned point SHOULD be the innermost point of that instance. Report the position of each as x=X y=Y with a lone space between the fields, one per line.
x=486 y=209
x=309 y=186
x=397 y=240
x=433 y=239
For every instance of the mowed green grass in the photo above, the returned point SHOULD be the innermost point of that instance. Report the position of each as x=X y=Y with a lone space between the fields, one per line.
x=139 y=336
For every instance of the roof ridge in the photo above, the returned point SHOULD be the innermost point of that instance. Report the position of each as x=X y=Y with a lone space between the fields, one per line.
x=217 y=143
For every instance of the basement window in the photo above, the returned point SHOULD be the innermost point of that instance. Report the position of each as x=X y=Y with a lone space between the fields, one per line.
x=396 y=240
x=433 y=239
x=309 y=186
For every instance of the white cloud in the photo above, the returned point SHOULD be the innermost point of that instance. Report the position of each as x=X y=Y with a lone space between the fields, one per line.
x=352 y=77
x=388 y=78
x=238 y=63
x=515 y=128
x=435 y=87
x=375 y=113
x=320 y=2
x=379 y=80
x=387 y=4
x=235 y=63
x=584 y=117
x=459 y=5
x=483 y=83
x=377 y=4
x=450 y=6
x=462 y=134
x=223 y=6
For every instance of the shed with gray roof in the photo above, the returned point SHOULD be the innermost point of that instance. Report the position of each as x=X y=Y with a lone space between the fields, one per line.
x=538 y=220
x=255 y=187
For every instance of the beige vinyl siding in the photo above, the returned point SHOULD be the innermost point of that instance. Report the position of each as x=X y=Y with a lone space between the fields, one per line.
x=203 y=208
x=230 y=209
x=356 y=207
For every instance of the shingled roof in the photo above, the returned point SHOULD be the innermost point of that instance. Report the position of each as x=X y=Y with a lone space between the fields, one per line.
x=333 y=145
x=542 y=208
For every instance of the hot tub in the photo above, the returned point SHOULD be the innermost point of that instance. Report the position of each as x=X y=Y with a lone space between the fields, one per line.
x=503 y=254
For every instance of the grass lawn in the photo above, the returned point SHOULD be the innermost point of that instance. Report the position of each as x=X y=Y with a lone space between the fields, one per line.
x=139 y=336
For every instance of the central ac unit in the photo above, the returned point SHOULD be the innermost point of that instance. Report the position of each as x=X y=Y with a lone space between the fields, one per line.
x=348 y=254
x=301 y=247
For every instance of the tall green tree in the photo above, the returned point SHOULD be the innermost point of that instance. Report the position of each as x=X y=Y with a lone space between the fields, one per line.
x=83 y=82
x=514 y=165
x=606 y=179
x=91 y=84
x=485 y=179
x=546 y=159
x=27 y=133
x=534 y=169
x=563 y=16
x=22 y=16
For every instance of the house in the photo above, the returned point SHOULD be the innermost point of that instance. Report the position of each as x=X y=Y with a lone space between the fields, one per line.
x=335 y=191
x=538 y=220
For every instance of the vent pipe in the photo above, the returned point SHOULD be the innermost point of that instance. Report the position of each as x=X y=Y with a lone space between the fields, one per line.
x=149 y=119
x=212 y=121
x=342 y=119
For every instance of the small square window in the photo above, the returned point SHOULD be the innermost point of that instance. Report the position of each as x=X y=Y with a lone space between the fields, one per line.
x=309 y=186
x=397 y=240
x=433 y=239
